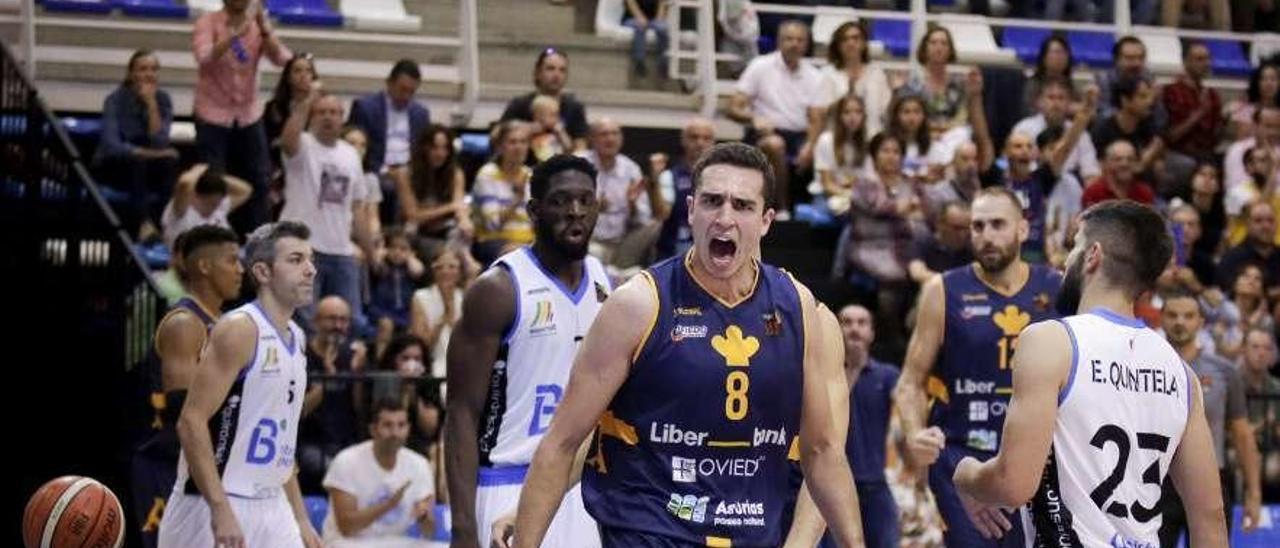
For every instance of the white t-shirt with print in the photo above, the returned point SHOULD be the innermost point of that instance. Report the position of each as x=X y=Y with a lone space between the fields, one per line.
x=321 y=185
x=356 y=472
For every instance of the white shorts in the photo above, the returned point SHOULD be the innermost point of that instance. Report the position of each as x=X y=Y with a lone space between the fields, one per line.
x=499 y=494
x=266 y=523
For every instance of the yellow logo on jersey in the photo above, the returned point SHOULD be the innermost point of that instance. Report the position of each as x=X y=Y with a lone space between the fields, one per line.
x=735 y=348
x=610 y=425
x=1011 y=320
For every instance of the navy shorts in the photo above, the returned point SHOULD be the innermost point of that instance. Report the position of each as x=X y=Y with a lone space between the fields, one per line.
x=960 y=532
x=879 y=517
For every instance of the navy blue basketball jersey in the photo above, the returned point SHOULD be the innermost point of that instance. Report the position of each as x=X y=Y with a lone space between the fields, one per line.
x=168 y=405
x=694 y=446
x=971 y=381
x=870 y=403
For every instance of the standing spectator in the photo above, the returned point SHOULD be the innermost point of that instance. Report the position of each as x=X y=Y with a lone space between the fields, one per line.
x=741 y=29
x=436 y=308
x=625 y=229
x=500 y=193
x=1263 y=92
x=676 y=186
x=840 y=156
x=1054 y=62
x=391 y=118
x=396 y=273
x=1195 y=115
x=1052 y=106
x=378 y=488
x=947 y=247
x=133 y=152
x=643 y=16
x=1119 y=178
x=1259 y=247
x=1132 y=121
x=432 y=193
x=331 y=408
x=294 y=85
x=943 y=94
x=1263 y=184
x=550 y=73
x=1129 y=61
x=1266 y=134
x=548 y=137
x=325 y=189
x=1217 y=18
x=779 y=99
x=849 y=70
x=228 y=45
x=201 y=197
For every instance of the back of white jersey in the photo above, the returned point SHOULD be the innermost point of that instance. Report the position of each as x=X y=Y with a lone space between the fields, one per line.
x=1120 y=419
x=533 y=363
x=255 y=430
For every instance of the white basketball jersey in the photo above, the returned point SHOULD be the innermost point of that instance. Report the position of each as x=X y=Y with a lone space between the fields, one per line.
x=537 y=353
x=255 y=431
x=1120 y=419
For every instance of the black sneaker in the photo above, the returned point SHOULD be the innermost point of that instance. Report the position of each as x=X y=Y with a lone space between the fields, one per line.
x=640 y=69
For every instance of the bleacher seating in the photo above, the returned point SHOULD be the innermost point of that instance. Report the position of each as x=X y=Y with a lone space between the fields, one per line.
x=609 y=20
x=304 y=12
x=894 y=34
x=205 y=5
x=154 y=8
x=1025 y=42
x=384 y=15
x=975 y=44
x=1091 y=47
x=79 y=6
x=1164 y=52
x=1227 y=58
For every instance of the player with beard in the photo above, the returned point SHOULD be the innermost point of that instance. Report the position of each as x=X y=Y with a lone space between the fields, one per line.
x=957 y=372
x=696 y=378
x=509 y=357
x=1103 y=408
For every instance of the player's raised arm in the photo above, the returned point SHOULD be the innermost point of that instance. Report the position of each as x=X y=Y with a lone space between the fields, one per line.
x=599 y=369
x=1194 y=471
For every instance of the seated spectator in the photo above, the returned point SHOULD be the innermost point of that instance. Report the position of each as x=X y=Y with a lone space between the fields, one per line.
x=296 y=79
x=947 y=247
x=358 y=140
x=396 y=273
x=1266 y=134
x=1195 y=117
x=923 y=159
x=1054 y=62
x=550 y=73
x=740 y=31
x=1207 y=198
x=643 y=16
x=378 y=489
x=414 y=390
x=779 y=99
x=1132 y=121
x=625 y=229
x=1129 y=61
x=849 y=70
x=548 y=137
x=1256 y=363
x=433 y=192
x=1119 y=178
x=1264 y=178
x=391 y=118
x=133 y=151
x=840 y=156
x=1259 y=247
x=962 y=186
x=676 y=185
x=202 y=197
x=1193 y=268
x=1052 y=106
x=436 y=308
x=332 y=408
x=1245 y=306
x=500 y=193
x=1263 y=92
x=1206 y=14
x=943 y=93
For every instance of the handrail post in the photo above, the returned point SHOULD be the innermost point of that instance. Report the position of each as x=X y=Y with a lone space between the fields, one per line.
x=29 y=38
x=469 y=62
x=707 y=57
x=919 y=22
x=1124 y=18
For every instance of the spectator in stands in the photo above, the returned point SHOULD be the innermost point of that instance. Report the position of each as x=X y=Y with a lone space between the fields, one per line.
x=1119 y=178
x=550 y=73
x=1195 y=116
x=133 y=151
x=295 y=83
x=500 y=193
x=332 y=408
x=404 y=356
x=378 y=489
x=1266 y=134
x=943 y=94
x=840 y=156
x=740 y=30
x=1263 y=92
x=923 y=158
x=1207 y=198
x=1132 y=121
x=228 y=45
x=391 y=118
x=1264 y=178
x=358 y=140
x=1129 y=60
x=432 y=193
x=947 y=247
x=1054 y=62
x=1251 y=15
x=1205 y=14
x=548 y=136
x=1052 y=107
x=625 y=229
x=849 y=69
x=325 y=189
x=1194 y=268
x=676 y=185
x=435 y=309
x=396 y=273
x=1259 y=248
x=643 y=16
x=202 y=197
x=1256 y=364
x=779 y=99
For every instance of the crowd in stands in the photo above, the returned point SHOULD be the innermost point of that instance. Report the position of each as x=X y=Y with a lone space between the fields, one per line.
x=892 y=160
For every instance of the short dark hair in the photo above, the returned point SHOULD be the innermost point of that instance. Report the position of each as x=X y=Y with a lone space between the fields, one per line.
x=1192 y=43
x=1134 y=238
x=738 y=155
x=1120 y=44
x=261 y=245
x=394 y=233
x=1125 y=88
x=878 y=140
x=1051 y=82
x=834 y=55
x=540 y=182
x=921 y=56
x=211 y=183
x=387 y=404
x=198 y=237
x=1049 y=136
x=405 y=67
x=548 y=52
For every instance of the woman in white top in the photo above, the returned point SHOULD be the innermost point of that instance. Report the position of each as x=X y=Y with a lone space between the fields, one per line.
x=850 y=70
x=840 y=153
x=435 y=309
x=922 y=158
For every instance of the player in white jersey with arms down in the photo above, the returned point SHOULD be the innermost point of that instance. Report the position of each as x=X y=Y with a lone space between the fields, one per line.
x=236 y=484
x=510 y=356
x=1103 y=408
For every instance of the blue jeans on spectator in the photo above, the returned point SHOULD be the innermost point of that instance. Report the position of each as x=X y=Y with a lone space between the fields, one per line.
x=638 y=35
x=339 y=275
x=240 y=151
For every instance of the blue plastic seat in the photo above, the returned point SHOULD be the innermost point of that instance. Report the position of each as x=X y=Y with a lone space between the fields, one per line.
x=317 y=508
x=1025 y=42
x=79 y=6
x=1092 y=48
x=1227 y=58
x=166 y=9
x=304 y=12
x=894 y=34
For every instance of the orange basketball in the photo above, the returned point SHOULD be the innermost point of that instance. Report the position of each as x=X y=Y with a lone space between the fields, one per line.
x=73 y=511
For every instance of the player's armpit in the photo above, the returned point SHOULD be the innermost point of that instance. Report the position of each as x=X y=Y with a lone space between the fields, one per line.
x=232 y=343
x=1194 y=470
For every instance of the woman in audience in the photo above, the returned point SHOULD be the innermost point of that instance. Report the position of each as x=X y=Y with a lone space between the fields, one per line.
x=134 y=153
x=850 y=70
x=295 y=83
x=500 y=194
x=922 y=159
x=943 y=94
x=435 y=309
x=1054 y=63
x=433 y=193
x=839 y=156
x=1264 y=91
x=421 y=396
x=1245 y=307
x=1207 y=198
